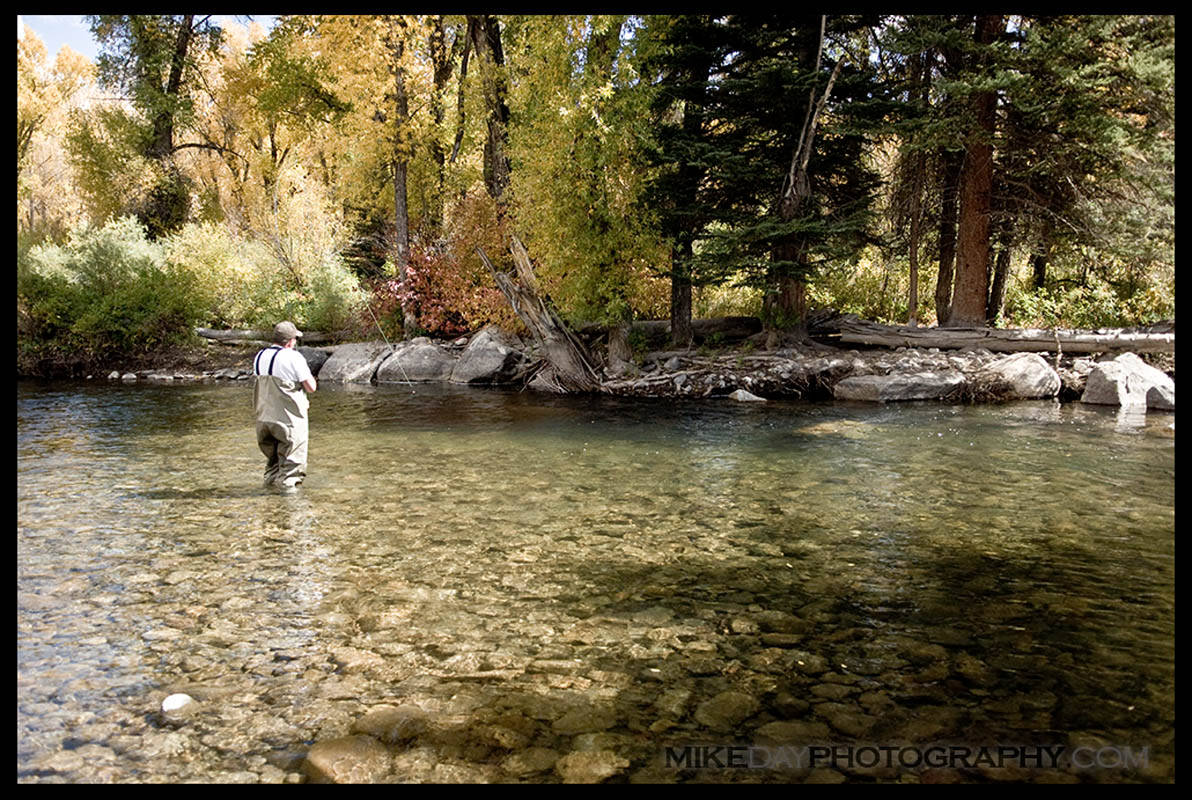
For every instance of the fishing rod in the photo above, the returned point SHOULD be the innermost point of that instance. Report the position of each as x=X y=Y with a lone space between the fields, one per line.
x=392 y=347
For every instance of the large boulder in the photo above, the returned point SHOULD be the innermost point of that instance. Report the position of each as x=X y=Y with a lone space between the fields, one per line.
x=490 y=357
x=887 y=388
x=417 y=361
x=1026 y=376
x=1129 y=381
x=354 y=363
x=315 y=357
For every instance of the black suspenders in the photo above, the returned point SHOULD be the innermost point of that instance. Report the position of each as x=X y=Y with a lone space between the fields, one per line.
x=257 y=365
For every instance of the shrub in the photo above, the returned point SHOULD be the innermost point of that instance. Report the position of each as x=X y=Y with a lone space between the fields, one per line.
x=105 y=290
x=333 y=297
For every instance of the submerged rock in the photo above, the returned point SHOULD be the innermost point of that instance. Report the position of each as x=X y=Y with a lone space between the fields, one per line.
x=349 y=759
x=392 y=725
x=726 y=711
x=590 y=766
x=178 y=706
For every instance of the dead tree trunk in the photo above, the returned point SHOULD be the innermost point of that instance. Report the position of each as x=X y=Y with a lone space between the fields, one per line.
x=568 y=366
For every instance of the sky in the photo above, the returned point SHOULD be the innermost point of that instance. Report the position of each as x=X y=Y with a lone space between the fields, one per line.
x=56 y=30
x=59 y=29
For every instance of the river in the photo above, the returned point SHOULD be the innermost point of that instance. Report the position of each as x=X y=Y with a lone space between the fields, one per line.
x=551 y=585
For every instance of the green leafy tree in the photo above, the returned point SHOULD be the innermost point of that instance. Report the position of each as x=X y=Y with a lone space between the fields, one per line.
x=576 y=113
x=153 y=60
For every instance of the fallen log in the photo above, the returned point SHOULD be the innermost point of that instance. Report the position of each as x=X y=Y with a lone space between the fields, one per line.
x=854 y=330
x=569 y=366
x=255 y=337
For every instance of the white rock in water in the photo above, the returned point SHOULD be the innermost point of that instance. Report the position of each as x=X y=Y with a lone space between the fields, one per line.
x=175 y=703
x=743 y=396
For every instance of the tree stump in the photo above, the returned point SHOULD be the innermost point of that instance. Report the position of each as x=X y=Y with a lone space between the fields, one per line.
x=568 y=366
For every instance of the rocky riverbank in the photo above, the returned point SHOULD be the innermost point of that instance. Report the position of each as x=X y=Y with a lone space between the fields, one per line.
x=812 y=371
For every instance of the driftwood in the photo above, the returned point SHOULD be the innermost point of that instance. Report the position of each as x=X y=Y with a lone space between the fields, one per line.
x=569 y=366
x=857 y=331
x=256 y=337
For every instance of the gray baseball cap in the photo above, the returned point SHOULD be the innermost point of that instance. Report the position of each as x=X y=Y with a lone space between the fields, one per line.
x=285 y=331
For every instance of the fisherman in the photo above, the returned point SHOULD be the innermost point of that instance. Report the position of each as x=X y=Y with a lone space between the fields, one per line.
x=282 y=378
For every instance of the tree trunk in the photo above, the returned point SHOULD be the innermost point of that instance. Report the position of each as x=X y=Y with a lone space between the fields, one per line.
x=1039 y=257
x=161 y=145
x=568 y=363
x=922 y=78
x=680 y=304
x=485 y=31
x=949 y=185
x=997 y=290
x=401 y=156
x=787 y=307
x=441 y=62
x=1000 y=272
x=913 y=255
x=976 y=188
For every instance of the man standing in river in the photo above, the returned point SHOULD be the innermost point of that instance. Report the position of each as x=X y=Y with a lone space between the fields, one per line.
x=281 y=380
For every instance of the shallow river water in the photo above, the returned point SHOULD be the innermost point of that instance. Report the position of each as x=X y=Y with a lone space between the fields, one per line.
x=541 y=589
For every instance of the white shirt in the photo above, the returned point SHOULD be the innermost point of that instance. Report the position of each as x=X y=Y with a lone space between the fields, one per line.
x=282 y=362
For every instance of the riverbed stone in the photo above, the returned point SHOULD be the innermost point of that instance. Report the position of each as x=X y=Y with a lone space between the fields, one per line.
x=792 y=732
x=590 y=766
x=772 y=621
x=392 y=725
x=584 y=719
x=726 y=711
x=899 y=387
x=348 y=759
x=530 y=761
x=354 y=363
x=1127 y=381
x=417 y=361
x=846 y=718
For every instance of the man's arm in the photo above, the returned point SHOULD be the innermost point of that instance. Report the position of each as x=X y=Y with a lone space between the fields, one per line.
x=310 y=384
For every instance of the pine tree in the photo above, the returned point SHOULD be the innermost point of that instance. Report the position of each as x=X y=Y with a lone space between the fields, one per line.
x=779 y=154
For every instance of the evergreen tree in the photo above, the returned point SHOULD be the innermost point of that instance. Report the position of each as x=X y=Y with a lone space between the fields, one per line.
x=682 y=54
x=762 y=212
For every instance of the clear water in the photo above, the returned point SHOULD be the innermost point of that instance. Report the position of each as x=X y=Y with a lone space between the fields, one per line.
x=984 y=575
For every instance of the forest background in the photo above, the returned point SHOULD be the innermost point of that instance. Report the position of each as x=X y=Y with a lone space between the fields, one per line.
x=343 y=171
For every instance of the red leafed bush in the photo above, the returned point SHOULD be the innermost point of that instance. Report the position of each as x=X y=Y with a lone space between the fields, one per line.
x=447 y=288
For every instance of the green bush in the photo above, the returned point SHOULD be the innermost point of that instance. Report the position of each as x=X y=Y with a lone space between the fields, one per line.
x=240 y=281
x=105 y=290
x=244 y=285
x=334 y=298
